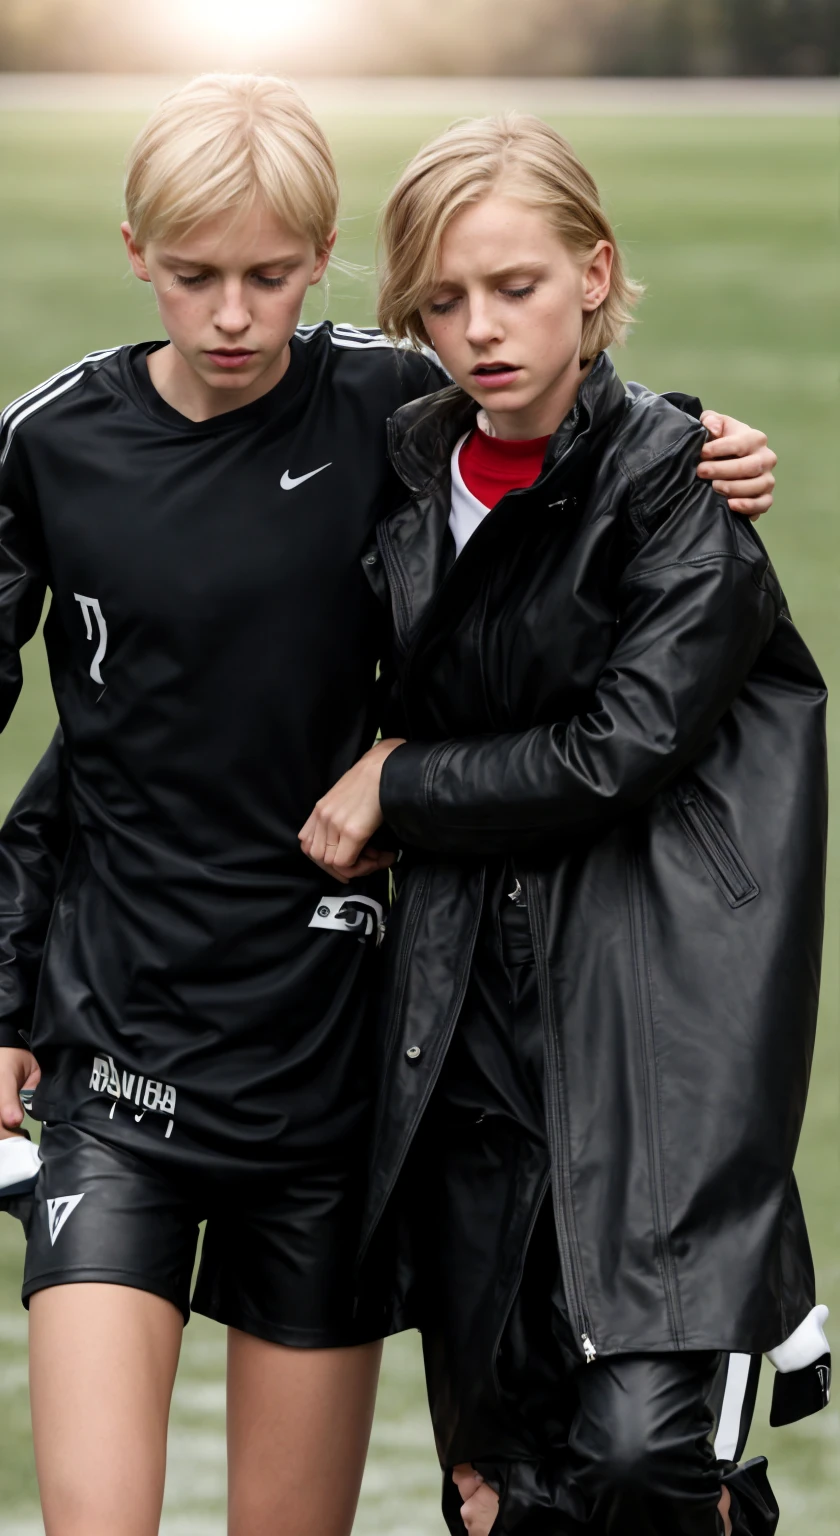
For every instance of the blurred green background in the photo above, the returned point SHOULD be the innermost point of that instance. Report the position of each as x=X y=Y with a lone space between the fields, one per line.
x=732 y=225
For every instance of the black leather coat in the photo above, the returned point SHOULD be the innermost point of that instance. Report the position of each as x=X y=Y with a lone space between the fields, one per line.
x=606 y=689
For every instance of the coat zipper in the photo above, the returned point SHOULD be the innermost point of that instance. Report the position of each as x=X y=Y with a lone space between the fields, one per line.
x=645 y=1016
x=714 y=846
x=558 y=1138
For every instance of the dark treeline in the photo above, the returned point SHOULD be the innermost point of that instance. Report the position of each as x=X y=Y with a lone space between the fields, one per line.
x=451 y=37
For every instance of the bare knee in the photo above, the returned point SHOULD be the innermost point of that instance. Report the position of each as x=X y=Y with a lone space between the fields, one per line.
x=288 y=1409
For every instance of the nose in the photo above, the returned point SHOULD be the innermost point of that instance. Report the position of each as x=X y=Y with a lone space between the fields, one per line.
x=483 y=322
x=232 y=316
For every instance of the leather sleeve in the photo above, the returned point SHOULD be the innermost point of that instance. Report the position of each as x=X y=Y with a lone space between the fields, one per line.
x=33 y=844
x=688 y=404
x=696 y=605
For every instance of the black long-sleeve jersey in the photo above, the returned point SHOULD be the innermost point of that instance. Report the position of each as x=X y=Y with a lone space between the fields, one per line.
x=212 y=643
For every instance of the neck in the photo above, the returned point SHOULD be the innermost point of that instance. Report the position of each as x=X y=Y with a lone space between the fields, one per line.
x=189 y=394
x=541 y=417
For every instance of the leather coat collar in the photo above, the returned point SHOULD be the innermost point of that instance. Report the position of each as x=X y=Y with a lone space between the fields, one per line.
x=412 y=538
x=422 y=434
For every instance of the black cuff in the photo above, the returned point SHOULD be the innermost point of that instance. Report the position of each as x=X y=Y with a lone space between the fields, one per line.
x=407 y=774
x=796 y=1394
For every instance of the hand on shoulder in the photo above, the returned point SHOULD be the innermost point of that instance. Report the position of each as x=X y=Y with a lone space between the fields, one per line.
x=739 y=463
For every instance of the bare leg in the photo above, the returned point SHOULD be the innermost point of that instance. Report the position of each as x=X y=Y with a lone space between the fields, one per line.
x=102 y=1363
x=298 y=1429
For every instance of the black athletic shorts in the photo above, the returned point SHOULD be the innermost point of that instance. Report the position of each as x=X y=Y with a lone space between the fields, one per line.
x=278 y=1259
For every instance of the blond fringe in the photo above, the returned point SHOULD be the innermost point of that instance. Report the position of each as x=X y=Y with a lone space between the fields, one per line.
x=515 y=153
x=221 y=142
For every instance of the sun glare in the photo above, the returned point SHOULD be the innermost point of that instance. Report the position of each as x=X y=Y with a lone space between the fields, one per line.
x=244 y=22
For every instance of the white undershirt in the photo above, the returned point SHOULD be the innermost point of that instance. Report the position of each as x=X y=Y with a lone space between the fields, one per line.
x=467 y=511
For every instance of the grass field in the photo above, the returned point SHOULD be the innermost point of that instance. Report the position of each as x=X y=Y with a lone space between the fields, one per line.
x=732 y=225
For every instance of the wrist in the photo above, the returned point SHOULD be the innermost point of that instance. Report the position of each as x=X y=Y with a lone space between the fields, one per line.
x=383 y=750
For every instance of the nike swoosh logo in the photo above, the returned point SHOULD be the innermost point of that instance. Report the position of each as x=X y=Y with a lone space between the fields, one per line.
x=138 y=1118
x=288 y=482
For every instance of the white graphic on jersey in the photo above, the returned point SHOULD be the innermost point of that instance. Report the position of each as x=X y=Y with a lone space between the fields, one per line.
x=350 y=914
x=824 y=1375
x=288 y=482
x=91 y=605
x=58 y=1212
x=143 y=1093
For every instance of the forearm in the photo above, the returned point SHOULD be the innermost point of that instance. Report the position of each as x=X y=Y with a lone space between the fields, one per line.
x=690 y=635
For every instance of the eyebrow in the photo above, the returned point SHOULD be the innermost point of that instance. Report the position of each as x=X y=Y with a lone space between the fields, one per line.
x=516 y=269
x=169 y=259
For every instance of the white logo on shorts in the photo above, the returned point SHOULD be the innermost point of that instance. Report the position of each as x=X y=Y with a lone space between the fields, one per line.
x=142 y=1093
x=90 y=605
x=58 y=1212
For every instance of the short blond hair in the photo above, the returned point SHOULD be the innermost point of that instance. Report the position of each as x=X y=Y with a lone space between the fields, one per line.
x=218 y=144
x=514 y=153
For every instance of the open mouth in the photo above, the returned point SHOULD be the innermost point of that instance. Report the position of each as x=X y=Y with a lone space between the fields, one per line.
x=494 y=375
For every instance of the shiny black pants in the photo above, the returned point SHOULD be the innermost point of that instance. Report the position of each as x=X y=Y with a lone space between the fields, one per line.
x=621 y=1447
x=636 y=1458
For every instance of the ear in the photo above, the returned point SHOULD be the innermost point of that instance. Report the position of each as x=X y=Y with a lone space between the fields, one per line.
x=135 y=255
x=322 y=259
x=597 y=275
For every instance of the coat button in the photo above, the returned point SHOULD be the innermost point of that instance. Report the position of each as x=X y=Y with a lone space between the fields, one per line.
x=413 y=1053
x=370 y=559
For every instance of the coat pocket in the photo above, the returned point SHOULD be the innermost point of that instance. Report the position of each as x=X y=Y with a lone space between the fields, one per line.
x=714 y=846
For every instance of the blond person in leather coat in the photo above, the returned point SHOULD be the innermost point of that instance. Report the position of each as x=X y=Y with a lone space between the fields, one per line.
x=606 y=771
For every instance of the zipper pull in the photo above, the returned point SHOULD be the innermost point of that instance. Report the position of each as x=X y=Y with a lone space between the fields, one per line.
x=589 y=1349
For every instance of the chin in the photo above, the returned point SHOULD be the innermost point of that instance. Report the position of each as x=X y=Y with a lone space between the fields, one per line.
x=219 y=378
x=503 y=399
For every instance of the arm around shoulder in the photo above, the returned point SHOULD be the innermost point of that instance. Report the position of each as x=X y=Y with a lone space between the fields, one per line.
x=697 y=602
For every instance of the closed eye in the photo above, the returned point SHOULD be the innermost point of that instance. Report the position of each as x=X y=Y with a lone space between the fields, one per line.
x=260 y=278
x=443 y=307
